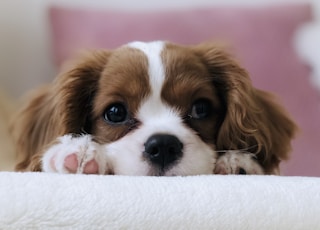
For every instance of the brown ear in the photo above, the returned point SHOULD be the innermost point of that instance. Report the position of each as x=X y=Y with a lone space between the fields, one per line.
x=57 y=109
x=253 y=120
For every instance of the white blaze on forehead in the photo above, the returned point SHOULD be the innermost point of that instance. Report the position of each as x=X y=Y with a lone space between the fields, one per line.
x=153 y=109
x=156 y=70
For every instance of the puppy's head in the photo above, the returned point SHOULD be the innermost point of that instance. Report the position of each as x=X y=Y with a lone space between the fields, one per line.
x=162 y=109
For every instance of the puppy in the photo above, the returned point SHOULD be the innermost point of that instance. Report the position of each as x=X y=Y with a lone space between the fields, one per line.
x=156 y=109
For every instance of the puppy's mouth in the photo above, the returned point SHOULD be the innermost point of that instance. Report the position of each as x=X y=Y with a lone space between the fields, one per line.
x=156 y=172
x=162 y=151
x=161 y=171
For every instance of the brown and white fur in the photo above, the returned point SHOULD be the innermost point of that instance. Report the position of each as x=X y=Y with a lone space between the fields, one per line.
x=153 y=109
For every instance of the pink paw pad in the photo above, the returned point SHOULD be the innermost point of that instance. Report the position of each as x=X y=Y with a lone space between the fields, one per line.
x=71 y=163
x=91 y=167
x=221 y=169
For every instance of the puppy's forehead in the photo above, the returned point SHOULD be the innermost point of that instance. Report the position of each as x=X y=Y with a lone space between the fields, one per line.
x=153 y=106
x=156 y=70
x=169 y=63
x=175 y=72
x=125 y=79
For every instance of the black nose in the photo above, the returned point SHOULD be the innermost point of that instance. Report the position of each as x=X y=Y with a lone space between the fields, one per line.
x=163 y=149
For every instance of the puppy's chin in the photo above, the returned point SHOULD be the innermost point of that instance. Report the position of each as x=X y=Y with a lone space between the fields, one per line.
x=145 y=169
x=180 y=170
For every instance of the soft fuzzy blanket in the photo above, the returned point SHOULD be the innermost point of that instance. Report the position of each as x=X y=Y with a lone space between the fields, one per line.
x=55 y=201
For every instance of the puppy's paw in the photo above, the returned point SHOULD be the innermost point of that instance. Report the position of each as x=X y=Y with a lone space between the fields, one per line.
x=237 y=162
x=75 y=155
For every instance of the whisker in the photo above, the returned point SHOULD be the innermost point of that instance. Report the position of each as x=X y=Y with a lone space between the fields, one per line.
x=242 y=150
x=248 y=148
x=83 y=131
x=222 y=151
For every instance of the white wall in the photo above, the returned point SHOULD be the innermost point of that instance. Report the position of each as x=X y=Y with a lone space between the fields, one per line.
x=25 y=60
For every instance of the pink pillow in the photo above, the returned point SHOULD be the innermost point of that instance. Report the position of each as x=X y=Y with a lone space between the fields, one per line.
x=262 y=39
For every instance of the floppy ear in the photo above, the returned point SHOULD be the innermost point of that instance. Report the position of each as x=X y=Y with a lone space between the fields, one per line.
x=253 y=120
x=57 y=109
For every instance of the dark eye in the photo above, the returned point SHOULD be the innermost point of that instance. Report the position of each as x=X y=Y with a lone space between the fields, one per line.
x=200 y=109
x=116 y=113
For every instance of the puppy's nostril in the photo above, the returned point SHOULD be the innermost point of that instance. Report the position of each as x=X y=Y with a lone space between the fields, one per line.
x=154 y=151
x=163 y=149
x=242 y=171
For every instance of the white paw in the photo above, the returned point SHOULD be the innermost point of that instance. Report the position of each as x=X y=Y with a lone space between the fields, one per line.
x=75 y=155
x=237 y=162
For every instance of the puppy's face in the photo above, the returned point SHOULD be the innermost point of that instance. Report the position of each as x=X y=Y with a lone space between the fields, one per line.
x=157 y=111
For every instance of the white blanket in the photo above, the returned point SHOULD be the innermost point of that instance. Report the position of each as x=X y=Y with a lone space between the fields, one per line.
x=53 y=201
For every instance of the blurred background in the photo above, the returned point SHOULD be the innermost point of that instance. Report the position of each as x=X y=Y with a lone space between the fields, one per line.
x=278 y=41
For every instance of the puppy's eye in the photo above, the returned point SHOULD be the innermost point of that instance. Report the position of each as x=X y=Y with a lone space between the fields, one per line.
x=116 y=113
x=200 y=109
